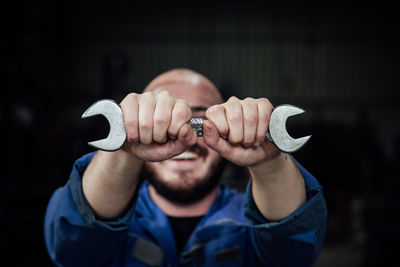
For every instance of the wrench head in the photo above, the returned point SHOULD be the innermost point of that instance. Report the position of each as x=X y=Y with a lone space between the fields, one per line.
x=277 y=129
x=113 y=113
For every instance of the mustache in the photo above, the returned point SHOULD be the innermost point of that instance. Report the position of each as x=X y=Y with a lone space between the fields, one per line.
x=201 y=150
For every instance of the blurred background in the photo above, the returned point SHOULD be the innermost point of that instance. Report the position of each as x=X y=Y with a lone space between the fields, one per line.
x=338 y=62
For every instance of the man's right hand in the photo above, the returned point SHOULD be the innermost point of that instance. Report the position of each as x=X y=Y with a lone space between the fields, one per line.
x=156 y=125
x=157 y=129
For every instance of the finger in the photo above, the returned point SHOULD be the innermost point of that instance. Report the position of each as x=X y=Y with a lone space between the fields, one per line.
x=236 y=154
x=146 y=109
x=129 y=107
x=185 y=139
x=181 y=114
x=212 y=138
x=216 y=114
x=161 y=94
x=250 y=121
x=162 y=117
x=264 y=108
x=234 y=116
x=186 y=136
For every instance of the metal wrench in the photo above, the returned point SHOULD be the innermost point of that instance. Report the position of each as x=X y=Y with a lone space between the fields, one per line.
x=276 y=133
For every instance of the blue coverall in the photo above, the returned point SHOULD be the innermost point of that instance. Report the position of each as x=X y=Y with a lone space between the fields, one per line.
x=232 y=233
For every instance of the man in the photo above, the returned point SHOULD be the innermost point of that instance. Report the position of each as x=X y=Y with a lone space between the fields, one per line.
x=180 y=214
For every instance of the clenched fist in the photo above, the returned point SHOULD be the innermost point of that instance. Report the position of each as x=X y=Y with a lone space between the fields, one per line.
x=236 y=130
x=156 y=125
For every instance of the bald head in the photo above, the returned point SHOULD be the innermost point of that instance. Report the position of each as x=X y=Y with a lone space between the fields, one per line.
x=178 y=81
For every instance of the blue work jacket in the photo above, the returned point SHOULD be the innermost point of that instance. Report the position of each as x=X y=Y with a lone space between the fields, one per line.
x=232 y=233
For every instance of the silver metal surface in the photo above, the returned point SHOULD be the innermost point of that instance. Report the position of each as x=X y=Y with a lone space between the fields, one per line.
x=276 y=133
x=113 y=113
x=277 y=129
x=197 y=125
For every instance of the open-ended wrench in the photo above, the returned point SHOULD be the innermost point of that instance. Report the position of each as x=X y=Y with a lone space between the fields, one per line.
x=276 y=133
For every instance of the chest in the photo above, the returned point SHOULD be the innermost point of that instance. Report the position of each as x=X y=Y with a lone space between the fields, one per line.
x=214 y=245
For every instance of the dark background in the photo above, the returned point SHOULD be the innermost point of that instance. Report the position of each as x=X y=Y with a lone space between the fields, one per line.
x=339 y=62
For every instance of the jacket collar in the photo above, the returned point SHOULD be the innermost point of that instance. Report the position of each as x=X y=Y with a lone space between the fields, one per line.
x=155 y=223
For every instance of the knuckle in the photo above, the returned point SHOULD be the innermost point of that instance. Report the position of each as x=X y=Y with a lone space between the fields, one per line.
x=169 y=99
x=145 y=125
x=264 y=100
x=233 y=105
x=233 y=99
x=132 y=137
x=182 y=113
x=250 y=120
x=161 y=119
x=147 y=96
x=163 y=92
x=235 y=117
x=250 y=104
x=164 y=98
x=249 y=99
x=132 y=96
x=131 y=122
x=148 y=93
x=211 y=111
x=181 y=102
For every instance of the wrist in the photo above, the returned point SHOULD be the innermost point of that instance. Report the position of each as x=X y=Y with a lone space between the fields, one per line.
x=271 y=167
x=114 y=168
x=123 y=163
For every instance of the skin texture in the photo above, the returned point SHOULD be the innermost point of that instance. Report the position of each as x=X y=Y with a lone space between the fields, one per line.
x=157 y=131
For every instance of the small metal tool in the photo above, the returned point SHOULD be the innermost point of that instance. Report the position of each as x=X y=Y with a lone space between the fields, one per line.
x=276 y=133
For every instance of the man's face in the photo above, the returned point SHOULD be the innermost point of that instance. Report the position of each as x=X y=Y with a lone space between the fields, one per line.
x=190 y=176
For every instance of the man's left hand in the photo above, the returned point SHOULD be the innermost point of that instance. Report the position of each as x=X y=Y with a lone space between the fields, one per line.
x=236 y=130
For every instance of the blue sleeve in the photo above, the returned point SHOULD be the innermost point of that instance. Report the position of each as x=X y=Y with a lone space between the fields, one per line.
x=296 y=240
x=73 y=234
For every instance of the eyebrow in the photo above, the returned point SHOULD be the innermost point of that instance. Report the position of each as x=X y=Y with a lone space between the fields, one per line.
x=198 y=108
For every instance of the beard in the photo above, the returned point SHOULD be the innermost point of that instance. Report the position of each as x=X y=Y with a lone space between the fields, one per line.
x=186 y=194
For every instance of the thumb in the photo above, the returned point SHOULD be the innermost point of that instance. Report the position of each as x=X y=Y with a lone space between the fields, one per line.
x=212 y=139
x=186 y=135
x=210 y=133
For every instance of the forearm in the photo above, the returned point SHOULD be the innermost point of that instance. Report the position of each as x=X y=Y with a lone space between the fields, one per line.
x=278 y=187
x=110 y=182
